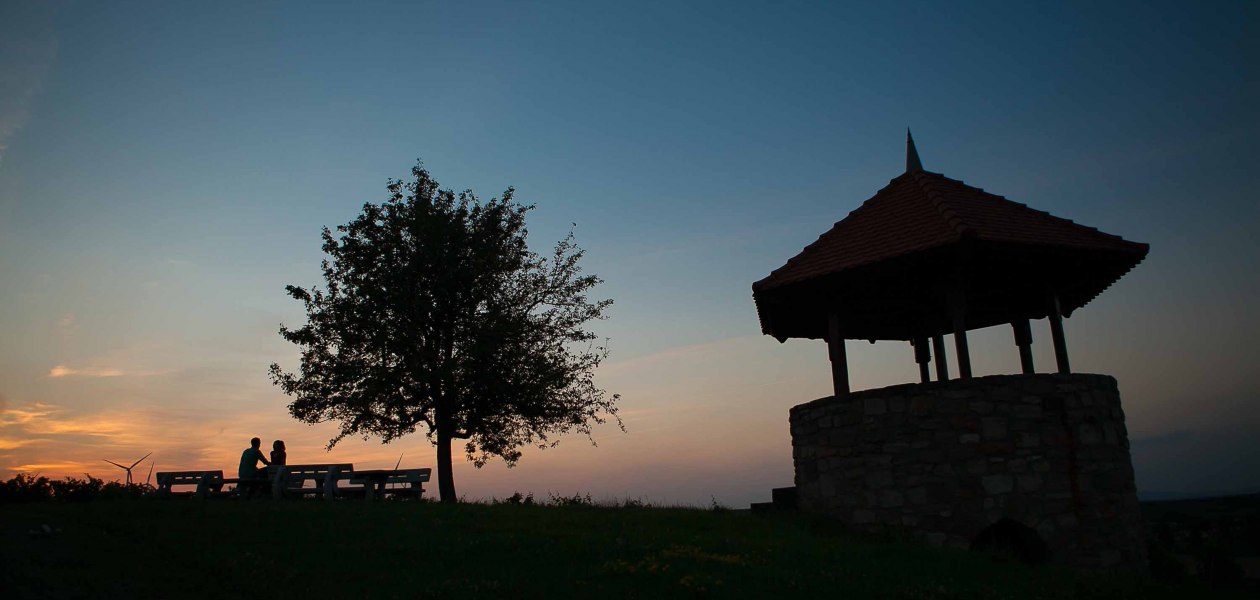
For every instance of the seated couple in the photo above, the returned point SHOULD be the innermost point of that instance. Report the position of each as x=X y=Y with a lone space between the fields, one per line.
x=252 y=455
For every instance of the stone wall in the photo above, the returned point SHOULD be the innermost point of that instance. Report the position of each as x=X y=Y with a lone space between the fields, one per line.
x=946 y=460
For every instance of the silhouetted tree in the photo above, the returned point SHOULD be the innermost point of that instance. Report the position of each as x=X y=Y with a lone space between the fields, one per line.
x=436 y=314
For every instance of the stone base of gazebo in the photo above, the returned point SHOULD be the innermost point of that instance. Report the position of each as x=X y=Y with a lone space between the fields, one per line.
x=946 y=461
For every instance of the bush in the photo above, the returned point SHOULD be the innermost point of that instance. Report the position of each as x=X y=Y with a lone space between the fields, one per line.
x=77 y=490
x=574 y=500
x=32 y=488
x=25 y=487
x=516 y=499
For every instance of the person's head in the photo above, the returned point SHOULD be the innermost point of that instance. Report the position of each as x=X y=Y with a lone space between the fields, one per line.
x=278 y=446
x=255 y=442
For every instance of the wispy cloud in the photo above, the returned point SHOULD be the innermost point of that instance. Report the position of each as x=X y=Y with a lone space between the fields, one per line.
x=22 y=416
x=28 y=49
x=64 y=371
x=14 y=444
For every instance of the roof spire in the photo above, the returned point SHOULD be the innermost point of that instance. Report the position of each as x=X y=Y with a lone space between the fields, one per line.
x=912 y=155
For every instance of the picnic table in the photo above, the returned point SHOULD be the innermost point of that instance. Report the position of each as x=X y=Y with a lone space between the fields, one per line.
x=375 y=480
x=290 y=481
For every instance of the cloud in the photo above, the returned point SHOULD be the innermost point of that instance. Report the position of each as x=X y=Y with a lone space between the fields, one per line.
x=14 y=444
x=22 y=416
x=64 y=371
x=28 y=49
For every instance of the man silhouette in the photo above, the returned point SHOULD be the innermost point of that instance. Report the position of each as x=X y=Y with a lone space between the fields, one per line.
x=249 y=462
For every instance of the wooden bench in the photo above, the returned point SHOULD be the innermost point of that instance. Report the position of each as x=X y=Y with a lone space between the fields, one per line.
x=412 y=480
x=290 y=480
x=207 y=482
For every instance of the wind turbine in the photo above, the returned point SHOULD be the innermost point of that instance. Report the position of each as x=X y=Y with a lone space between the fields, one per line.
x=128 y=469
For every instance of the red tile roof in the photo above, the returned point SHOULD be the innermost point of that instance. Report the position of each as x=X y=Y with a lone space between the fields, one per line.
x=921 y=210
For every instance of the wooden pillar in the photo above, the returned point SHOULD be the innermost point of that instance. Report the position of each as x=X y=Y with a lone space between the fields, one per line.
x=839 y=360
x=1023 y=339
x=1056 y=333
x=957 y=309
x=942 y=362
x=923 y=356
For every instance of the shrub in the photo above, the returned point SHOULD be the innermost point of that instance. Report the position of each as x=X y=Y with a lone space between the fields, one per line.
x=25 y=487
x=574 y=500
x=77 y=490
x=517 y=499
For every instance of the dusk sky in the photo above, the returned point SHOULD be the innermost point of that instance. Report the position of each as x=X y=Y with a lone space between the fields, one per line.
x=165 y=169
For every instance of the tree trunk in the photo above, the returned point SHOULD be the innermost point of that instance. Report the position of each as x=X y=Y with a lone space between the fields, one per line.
x=446 y=478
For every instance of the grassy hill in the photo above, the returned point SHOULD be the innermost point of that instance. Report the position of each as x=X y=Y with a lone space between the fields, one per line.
x=243 y=549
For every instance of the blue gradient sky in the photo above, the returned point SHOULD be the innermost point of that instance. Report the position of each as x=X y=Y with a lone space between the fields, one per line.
x=164 y=172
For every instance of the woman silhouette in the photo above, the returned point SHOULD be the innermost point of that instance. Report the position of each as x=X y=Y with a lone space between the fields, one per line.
x=278 y=455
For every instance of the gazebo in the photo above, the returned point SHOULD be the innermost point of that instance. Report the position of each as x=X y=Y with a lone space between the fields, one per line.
x=928 y=256
x=1036 y=461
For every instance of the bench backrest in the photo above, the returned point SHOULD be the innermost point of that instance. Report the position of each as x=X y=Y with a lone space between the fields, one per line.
x=405 y=476
x=170 y=478
x=296 y=475
x=317 y=469
x=411 y=476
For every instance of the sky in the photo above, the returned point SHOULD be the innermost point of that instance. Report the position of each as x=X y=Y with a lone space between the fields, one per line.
x=165 y=169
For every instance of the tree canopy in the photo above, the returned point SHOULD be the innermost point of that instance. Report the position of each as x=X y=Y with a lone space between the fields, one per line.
x=436 y=314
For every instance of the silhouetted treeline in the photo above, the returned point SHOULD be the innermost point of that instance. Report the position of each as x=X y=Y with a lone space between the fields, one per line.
x=25 y=487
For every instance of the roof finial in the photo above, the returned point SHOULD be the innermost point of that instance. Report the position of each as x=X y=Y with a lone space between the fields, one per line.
x=912 y=155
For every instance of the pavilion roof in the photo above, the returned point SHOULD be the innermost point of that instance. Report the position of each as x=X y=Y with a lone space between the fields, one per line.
x=922 y=210
x=924 y=214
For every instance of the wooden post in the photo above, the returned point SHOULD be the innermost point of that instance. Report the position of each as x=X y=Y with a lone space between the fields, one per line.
x=1023 y=339
x=957 y=309
x=330 y=483
x=839 y=360
x=922 y=356
x=279 y=482
x=942 y=362
x=1056 y=333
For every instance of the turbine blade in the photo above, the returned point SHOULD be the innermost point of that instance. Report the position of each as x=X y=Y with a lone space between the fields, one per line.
x=141 y=459
x=150 y=477
x=114 y=463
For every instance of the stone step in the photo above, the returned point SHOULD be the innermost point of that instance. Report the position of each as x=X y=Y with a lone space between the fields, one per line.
x=784 y=498
x=762 y=507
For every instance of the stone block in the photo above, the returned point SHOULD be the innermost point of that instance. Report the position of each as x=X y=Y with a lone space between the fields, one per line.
x=1089 y=434
x=993 y=428
x=891 y=499
x=917 y=495
x=920 y=406
x=998 y=484
x=1026 y=411
x=1028 y=439
x=874 y=406
x=1029 y=483
x=976 y=466
x=879 y=479
x=969 y=438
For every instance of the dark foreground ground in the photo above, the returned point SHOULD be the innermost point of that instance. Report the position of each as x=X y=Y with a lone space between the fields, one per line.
x=246 y=549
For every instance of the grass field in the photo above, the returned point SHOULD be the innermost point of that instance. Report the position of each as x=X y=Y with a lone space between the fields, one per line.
x=239 y=549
